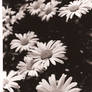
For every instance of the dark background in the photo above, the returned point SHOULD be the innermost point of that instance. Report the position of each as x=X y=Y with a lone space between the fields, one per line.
x=76 y=35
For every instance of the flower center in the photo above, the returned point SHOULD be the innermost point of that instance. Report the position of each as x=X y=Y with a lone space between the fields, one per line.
x=24 y=41
x=5 y=82
x=46 y=54
x=48 y=11
x=73 y=8
x=36 y=6
x=29 y=65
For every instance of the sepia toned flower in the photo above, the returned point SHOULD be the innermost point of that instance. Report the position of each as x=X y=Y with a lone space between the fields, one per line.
x=24 y=42
x=19 y=15
x=36 y=6
x=62 y=85
x=30 y=67
x=9 y=81
x=7 y=21
x=7 y=12
x=77 y=7
x=49 y=10
x=53 y=52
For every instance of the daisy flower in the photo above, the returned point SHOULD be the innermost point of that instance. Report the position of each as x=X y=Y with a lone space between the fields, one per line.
x=52 y=52
x=9 y=81
x=7 y=12
x=77 y=7
x=29 y=67
x=6 y=19
x=62 y=85
x=49 y=10
x=7 y=30
x=36 y=7
x=24 y=42
x=19 y=15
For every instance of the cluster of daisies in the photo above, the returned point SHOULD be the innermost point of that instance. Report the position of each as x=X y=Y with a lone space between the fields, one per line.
x=40 y=54
x=9 y=18
x=48 y=10
x=62 y=85
x=45 y=10
x=39 y=57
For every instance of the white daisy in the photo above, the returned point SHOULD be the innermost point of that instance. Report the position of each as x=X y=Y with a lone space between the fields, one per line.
x=29 y=67
x=36 y=6
x=10 y=17
x=7 y=30
x=7 y=12
x=7 y=18
x=19 y=15
x=9 y=81
x=24 y=42
x=52 y=52
x=62 y=85
x=77 y=7
x=49 y=10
